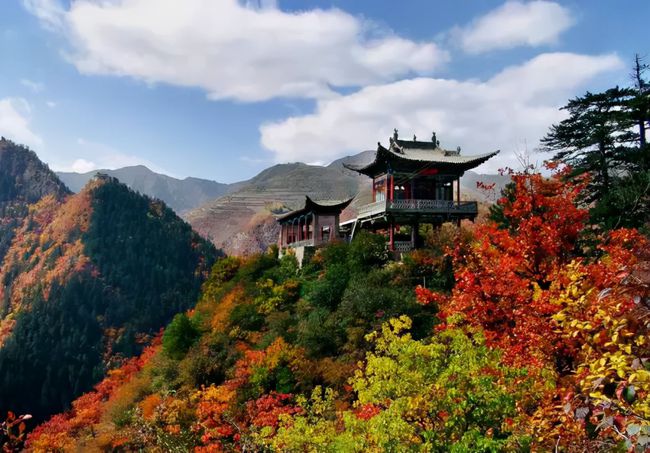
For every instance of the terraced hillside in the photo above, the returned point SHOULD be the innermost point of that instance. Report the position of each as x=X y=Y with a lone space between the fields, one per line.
x=242 y=222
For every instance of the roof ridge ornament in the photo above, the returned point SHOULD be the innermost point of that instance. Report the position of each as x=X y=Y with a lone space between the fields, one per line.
x=395 y=134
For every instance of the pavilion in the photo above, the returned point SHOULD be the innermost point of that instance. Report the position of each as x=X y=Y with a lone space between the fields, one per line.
x=413 y=182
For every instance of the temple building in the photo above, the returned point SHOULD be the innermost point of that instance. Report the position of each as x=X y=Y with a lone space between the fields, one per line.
x=413 y=182
x=315 y=224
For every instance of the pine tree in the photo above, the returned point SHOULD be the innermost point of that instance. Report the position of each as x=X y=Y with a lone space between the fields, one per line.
x=596 y=139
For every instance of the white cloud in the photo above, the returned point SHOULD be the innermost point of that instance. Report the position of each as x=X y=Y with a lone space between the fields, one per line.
x=14 y=122
x=36 y=87
x=513 y=108
x=49 y=12
x=51 y=104
x=83 y=166
x=234 y=50
x=513 y=24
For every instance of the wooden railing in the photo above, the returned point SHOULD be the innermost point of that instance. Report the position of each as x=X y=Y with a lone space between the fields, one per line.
x=403 y=246
x=371 y=209
x=303 y=243
x=436 y=206
x=433 y=205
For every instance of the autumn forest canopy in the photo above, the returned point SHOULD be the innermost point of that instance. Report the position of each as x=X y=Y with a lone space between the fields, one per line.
x=528 y=330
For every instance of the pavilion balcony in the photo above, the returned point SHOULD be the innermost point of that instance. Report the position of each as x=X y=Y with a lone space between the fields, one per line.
x=448 y=207
x=304 y=243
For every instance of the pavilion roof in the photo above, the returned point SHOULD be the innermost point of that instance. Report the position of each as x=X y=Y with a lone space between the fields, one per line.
x=419 y=152
x=319 y=207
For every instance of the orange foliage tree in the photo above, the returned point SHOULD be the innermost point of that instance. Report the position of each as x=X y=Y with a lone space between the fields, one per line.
x=59 y=431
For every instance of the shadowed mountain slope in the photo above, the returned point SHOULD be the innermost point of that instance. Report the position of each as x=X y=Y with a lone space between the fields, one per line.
x=86 y=279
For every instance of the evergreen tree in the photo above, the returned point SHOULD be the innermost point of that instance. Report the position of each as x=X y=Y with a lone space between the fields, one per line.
x=605 y=138
x=596 y=139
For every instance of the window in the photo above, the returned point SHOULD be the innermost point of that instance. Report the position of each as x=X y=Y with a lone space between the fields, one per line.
x=325 y=233
x=379 y=188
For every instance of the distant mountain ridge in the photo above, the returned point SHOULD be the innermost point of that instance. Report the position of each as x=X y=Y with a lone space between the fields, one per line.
x=238 y=217
x=181 y=195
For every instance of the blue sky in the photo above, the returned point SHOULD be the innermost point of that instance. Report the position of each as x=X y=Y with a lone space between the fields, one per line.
x=221 y=89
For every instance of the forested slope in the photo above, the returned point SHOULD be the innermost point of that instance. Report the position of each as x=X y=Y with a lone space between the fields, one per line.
x=86 y=281
x=24 y=179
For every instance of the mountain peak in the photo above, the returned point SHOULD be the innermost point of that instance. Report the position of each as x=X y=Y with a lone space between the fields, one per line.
x=23 y=177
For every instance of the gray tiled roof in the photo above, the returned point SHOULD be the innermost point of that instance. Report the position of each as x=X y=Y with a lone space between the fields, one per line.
x=425 y=152
x=311 y=205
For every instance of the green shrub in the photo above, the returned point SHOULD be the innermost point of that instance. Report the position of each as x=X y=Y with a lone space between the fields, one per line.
x=224 y=270
x=319 y=334
x=328 y=290
x=179 y=336
x=367 y=250
x=246 y=317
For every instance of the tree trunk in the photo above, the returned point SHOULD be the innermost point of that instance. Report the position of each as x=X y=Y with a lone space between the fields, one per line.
x=641 y=85
x=604 y=170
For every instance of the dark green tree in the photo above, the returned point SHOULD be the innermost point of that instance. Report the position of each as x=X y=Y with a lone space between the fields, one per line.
x=596 y=139
x=179 y=336
x=605 y=138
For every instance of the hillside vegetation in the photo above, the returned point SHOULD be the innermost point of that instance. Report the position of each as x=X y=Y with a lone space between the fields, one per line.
x=86 y=279
x=24 y=179
x=529 y=335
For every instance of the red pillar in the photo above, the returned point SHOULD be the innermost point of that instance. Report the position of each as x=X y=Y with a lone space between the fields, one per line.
x=391 y=235
x=458 y=199
x=392 y=186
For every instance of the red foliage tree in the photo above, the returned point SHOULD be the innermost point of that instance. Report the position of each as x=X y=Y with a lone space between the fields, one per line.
x=500 y=280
